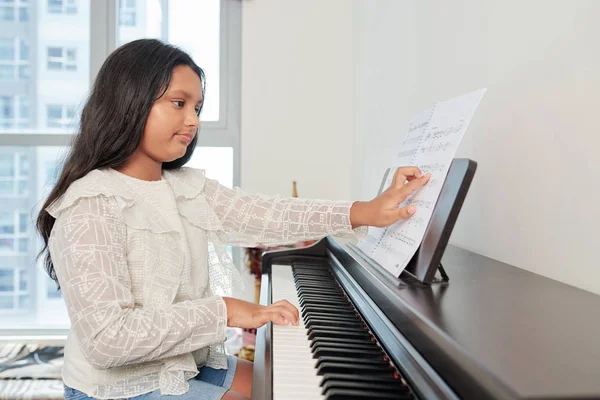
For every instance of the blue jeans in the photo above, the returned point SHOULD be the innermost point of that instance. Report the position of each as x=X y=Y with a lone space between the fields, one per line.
x=209 y=384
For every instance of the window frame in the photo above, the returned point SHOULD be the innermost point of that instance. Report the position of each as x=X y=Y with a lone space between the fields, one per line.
x=67 y=7
x=66 y=64
x=67 y=114
x=16 y=6
x=20 y=113
x=17 y=60
x=131 y=11
x=222 y=133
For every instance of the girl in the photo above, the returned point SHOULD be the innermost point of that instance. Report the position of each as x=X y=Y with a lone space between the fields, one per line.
x=137 y=242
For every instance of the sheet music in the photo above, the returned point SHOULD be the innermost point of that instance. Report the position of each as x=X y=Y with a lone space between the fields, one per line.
x=430 y=144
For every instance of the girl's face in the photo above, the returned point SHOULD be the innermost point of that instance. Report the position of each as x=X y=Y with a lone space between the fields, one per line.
x=173 y=120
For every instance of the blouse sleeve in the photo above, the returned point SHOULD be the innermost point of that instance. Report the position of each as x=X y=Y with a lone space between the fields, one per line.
x=251 y=219
x=88 y=249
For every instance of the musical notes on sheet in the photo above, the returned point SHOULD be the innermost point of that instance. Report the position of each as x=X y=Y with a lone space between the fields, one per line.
x=436 y=167
x=430 y=143
x=421 y=203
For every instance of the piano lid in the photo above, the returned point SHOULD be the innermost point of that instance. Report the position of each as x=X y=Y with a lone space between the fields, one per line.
x=538 y=337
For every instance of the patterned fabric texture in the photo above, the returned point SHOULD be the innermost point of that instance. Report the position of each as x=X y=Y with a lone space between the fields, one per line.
x=30 y=371
x=143 y=265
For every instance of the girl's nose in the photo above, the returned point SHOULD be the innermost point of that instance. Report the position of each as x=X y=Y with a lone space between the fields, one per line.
x=192 y=119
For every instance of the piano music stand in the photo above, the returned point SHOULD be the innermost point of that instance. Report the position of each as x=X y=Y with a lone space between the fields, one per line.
x=427 y=259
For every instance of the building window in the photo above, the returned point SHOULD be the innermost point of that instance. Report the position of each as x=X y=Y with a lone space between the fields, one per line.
x=60 y=116
x=14 y=175
x=14 y=10
x=13 y=289
x=13 y=232
x=62 y=7
x=61 y=58
x=14 y=59
x=14 y=112
x=127 y=13
x=208 y=29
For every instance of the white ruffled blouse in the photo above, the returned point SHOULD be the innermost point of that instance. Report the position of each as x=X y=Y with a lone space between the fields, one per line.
x=143 y=265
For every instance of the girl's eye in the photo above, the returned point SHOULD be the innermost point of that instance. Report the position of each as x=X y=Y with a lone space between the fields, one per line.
x=178 y=103
x=198 y=109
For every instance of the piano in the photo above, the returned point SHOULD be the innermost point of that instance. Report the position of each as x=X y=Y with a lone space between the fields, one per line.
x=493 y=331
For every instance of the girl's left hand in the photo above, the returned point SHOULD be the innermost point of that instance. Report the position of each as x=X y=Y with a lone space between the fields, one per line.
x=383 y=210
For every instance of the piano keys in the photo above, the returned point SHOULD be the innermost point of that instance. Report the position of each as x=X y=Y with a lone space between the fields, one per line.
x=365 y=334
x=332 y=343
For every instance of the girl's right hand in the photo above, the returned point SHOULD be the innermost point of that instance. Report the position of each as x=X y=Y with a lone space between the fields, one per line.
x=243 y=314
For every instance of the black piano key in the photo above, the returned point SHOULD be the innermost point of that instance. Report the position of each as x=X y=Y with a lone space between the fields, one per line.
x=321 y=267
x=309 y=310
x=333 y=341
x=315 y=280
x=330 y=322
x=342 y=317
x=326 y=277
x=320 y=279
x=375 y=387
x=385 y=365
x=357 y=344
x=314 y=274
x=318 y=333
x=321 y=352
x=327 y=308
x=318 y=286
x=311 y=284
x=346 y=367
x=384 y=382
x=329 y=331
x=319 y=298
x=318 y=267
x=387 y=378
x=319 y=292
x=357 y=394
x=325 y=300
x=365 y=346
x=332 y=304
x=326 y=296
x=333 y=322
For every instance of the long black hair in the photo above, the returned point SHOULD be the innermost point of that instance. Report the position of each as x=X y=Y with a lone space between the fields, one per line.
x=112 y=121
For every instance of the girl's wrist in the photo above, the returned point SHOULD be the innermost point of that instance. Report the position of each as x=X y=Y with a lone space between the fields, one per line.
x=359 y=214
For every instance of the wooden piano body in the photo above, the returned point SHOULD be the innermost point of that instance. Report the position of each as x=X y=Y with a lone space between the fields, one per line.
x=493 y=331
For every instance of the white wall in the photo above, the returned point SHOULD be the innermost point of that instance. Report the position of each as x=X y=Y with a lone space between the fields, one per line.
x=297 y=97
x=535 y=200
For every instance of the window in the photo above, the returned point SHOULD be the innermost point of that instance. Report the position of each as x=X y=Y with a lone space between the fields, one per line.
x=127 y=12
x=14 y=10
x=45 y=75
x=13 y=232
x=14 y=293
x=62 y=7
x=14 y=112
x=14 y=59
x=14 y=175
x=62 y=59
x=60 y=116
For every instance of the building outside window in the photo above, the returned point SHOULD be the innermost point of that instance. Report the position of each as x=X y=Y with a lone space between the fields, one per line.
x=40 y=104
x=60 y=58
x=62 y=7
x=14 y=10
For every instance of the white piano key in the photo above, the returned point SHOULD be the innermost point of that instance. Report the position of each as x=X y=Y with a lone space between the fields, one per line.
x=294 y=373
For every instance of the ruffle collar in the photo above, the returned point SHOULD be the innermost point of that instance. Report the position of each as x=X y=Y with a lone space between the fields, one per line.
x=187 y=185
